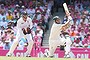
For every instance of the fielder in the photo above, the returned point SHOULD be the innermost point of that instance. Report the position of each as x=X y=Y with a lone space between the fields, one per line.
x=24 y=26
x=57 y=38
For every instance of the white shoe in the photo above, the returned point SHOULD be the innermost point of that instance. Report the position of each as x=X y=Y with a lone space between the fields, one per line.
x=67 y=56
x=51 y=56
x=46 y=55
x=27 y=55
x=9 y=54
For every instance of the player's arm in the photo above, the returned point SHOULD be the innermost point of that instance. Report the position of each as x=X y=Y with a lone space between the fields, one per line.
x=31 y=24
x=67 y=24
x=67 y=14
x=19 y=25
x=69 y=18
x=29 y=29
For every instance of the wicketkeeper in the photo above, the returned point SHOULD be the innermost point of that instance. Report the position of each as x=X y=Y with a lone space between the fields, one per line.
x=24 y=26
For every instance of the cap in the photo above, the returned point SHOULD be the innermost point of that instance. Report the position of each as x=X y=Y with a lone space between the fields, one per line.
x=56 y=17
x=15 y=10
x=17 y=5
x=7 y=41
x=23 y=6
x=9 y=11
x=38 y=11
x=24 y=13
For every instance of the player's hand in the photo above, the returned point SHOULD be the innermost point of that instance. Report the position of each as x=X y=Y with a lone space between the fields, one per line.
x=24 y=31
x=63 y=28
x=28 y=30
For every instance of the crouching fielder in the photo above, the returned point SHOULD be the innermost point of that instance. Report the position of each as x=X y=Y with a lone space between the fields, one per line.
x=24 y=25
x=55 y=39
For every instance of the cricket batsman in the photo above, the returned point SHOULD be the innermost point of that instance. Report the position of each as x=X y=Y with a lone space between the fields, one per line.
x=24 y=26
x=58 y=38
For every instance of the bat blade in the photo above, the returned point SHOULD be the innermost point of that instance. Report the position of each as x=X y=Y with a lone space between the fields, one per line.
x=65 y=7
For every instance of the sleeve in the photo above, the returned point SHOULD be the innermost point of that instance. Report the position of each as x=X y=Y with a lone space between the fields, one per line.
x=19 y=25
x=31 y=24
x=68 y=22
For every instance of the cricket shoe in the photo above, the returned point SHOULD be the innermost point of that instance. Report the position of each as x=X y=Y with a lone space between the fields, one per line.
x=27 y=55
x=67 y=56
x=9 y=54
x=51 y=56
x=46 y=54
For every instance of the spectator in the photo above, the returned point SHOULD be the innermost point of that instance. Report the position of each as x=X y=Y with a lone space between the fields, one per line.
x=5 y=36
x=82 y=33
x=23 y=8
x=37 y=40
x=30 y=10
x=77 y=42
x=3 y=23
x=16 y=15
x=2 y=16
x=85 y=41
x=9 y=16
x=6 y=46
x=38 y=15
x=39 y=7
x=40 y=33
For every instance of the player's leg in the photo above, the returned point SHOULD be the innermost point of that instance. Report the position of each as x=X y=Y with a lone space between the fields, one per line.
x=30 y=44
x=67 y=48
x=52 y=47
x=14 y=45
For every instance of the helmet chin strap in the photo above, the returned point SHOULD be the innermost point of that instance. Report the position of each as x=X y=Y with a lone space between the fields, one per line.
x=56 y=22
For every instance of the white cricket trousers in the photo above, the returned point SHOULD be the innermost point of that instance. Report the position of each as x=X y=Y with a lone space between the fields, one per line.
x=16 y=41
x=54 y=43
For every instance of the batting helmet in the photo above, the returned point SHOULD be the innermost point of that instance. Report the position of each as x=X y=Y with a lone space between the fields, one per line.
x=56 y=17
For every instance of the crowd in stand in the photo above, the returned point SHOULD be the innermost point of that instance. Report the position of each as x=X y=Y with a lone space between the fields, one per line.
x=11 y=10
x=80 y=29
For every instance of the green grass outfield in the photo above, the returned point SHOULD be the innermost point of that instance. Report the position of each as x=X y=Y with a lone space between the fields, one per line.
x=34 y=58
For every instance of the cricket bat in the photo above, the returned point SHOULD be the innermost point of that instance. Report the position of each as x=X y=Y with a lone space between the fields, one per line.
x=66 y=10
x=65 y=7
